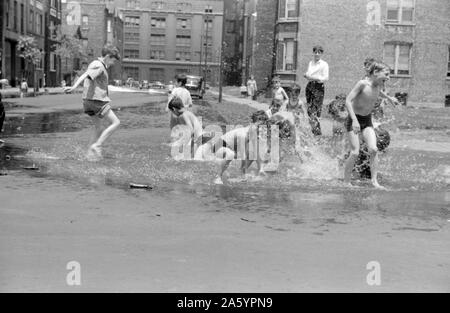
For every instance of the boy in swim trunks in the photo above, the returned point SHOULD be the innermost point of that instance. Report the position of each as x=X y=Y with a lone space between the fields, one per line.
x=96 y=99
x=360 y=104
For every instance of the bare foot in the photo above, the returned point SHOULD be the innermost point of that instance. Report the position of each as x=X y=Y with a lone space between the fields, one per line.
x=94 y=153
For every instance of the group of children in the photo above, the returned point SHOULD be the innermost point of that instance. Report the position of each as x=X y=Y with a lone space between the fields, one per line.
x=284 y=113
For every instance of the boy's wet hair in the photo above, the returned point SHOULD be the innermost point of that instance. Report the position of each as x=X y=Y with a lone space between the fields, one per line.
x=112 y=51
x=377 y=67
x=182 y=79
x=318 y=49
x=296 y=89
x=369 y=61
x=176 y=103
x=259 y=117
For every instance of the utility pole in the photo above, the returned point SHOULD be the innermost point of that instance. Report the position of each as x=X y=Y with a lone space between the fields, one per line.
x=206 y=48
x=222 y=51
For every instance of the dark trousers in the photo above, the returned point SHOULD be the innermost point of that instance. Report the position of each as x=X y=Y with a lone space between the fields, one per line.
x=2 y=116
x=315 y=92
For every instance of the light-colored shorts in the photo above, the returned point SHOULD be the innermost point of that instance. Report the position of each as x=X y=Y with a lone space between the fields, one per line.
x=96 y=107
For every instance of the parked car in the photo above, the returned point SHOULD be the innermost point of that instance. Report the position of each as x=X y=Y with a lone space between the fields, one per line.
x=144 y=84
x=157 y=85
x=196 y=86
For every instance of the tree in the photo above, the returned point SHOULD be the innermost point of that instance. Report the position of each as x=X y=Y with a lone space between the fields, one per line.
x=29 y=50
x=70 y=48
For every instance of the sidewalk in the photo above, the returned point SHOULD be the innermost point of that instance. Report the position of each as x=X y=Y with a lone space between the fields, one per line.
x=244 y=101
x=14 y=92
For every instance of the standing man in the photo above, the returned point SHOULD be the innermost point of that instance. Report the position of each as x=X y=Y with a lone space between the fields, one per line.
x=316 y=75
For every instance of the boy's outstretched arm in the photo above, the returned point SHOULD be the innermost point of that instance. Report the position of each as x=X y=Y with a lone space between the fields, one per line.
x=349 y=105
x=77 y=83
x=392 y=100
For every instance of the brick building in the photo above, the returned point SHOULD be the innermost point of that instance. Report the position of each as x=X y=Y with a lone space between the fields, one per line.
x=250 y=38
x=95 y=24
x=412 y=36
x=163 y=38
x=30 y=18
x=233 y=42
x=259 y=41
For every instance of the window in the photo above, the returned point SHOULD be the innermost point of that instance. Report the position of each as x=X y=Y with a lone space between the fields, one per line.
x=208 y=9
x=157 y=74
x=286 y=55
x=448 y=65
x=288 y=9
x=183 y=23
x=53 y=3
x=132 y=21
x=38 y=19
x=398 y=57
x=158 y=22
x=52 y=30
x=183 y=40
x=157 y=5
x=131 y=36
x=400 y=11
x=131 y=53
x=157 y=55
x=208 y=24
x=85 y=22
x=31 y=21
x=22 y=19
x=183 y=56
x=158 y=39
x=52 y=62
x=16 y=13
x=182 y=71
x=133 y=4
x=132 y=72
x=184 y=7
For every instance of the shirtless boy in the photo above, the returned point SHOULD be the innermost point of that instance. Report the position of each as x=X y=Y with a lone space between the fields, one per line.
x=360 y=104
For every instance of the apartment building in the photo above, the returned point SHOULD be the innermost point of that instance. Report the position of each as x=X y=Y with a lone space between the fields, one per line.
x=40 y=19
x=164 y=38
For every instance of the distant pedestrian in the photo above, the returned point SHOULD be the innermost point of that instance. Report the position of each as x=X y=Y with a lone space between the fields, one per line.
x=243 y=90
x=96 y=99
x=23 y=88
x=181 y=92
x=317 y=74
x=2 y=108
x=63 y=83
x=252 y=87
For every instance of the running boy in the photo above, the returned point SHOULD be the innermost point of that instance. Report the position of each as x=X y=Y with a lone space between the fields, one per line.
x=96 y=99
x=360 y=104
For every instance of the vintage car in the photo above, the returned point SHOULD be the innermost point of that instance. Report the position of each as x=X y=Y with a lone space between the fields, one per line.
x=196 y=86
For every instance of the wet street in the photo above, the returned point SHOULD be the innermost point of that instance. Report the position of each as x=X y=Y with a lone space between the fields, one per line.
x=294 y=230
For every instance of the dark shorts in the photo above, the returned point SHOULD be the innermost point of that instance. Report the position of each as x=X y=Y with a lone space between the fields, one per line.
x=364 y=122
x=96 y=108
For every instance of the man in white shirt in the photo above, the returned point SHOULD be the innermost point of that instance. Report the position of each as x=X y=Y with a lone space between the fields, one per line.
x=317 y=75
